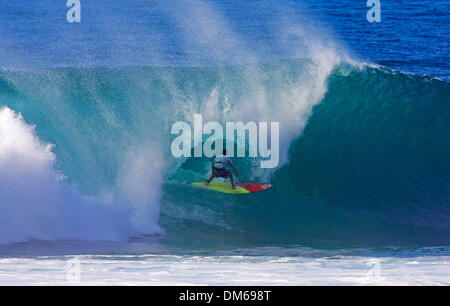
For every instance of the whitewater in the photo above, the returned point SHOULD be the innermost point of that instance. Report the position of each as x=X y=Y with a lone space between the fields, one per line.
x=361 y=195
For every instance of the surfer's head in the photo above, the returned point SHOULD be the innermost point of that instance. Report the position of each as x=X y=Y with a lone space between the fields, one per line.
x=224 y=152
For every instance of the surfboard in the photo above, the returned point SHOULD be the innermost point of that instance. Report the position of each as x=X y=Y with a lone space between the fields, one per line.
x=225 y=187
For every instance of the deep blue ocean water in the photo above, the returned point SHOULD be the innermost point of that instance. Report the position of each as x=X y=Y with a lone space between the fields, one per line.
x=412 y=35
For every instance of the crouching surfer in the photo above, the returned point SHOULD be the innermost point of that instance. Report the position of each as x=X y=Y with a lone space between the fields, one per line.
x=219 y=169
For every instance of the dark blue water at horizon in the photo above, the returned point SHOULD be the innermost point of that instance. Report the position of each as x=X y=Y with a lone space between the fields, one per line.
x=413 y=36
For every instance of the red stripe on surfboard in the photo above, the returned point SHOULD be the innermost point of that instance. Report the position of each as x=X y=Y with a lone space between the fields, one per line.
x=255 y=187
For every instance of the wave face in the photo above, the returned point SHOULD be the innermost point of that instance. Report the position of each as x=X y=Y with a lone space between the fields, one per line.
x=371 y=167
x=364 y=155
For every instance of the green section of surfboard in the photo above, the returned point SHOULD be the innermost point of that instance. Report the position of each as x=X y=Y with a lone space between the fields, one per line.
x=224 y=187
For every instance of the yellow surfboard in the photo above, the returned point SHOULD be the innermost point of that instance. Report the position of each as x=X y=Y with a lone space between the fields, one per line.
x=224 y=187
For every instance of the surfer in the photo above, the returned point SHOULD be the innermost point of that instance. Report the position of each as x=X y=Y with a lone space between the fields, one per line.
x=219 y=169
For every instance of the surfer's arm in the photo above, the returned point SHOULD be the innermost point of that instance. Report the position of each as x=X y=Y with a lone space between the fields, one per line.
x=235 y=171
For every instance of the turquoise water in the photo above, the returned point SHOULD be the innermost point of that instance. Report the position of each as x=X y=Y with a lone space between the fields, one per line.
x=370 y=167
